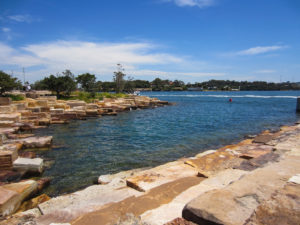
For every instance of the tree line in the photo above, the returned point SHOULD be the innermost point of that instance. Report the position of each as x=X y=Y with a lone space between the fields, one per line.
x=66 y=82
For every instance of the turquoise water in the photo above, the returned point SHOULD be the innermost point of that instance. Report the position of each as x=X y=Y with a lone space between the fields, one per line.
x=199 y=121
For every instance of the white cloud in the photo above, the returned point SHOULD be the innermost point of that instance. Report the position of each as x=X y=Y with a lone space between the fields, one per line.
x=6 y=29
x=260 y=50
x=191 y=3
x=21 y=18
x=173 y=75
x=265 y=71
x=101 y=58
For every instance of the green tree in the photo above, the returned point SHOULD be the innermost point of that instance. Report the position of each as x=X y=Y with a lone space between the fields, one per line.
x=119 y=78
x=87 y=82
x=61 y=83
x=8 y=83
x=129 y=85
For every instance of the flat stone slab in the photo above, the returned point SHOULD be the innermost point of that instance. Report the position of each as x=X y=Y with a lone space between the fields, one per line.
x=157 y=176
x=115 y=213
x=33 y=142
x=172 y=210
x=15 y=117
x=254 y=150
x=66 y=208
x=263 y=138
x=212 y=163
x=234 y=204
x=107 y=178
x=28 y=165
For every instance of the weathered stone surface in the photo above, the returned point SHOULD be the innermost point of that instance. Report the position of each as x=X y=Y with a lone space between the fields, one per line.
x=42 y=103
x=207 y=152
x=163 y=194
x=170 y=211
x=27 y=154
x=258 y=162
x=212 y=163
x=43 y=182
x=20 y=106
x=8 y=201
x=282 y=208
x=15 y=117
x=151 y=178
x=56 y=111
x=7 y=109
x=68 y=207
x=179 y=221
x=5 y=101
x=263 y=138
x=19 y=219
x=28 y=165
x=7 y=123
x=254 y=150
x=34 y=142
x=295 y=179
x=107 y=178
x=235 y=203
x=74 y=103
x=8 y=154
x=34 y=202
x=15 y=194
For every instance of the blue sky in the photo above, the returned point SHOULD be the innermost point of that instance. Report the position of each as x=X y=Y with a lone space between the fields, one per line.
x=190 y=40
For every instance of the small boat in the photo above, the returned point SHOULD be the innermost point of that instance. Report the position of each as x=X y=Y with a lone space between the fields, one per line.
x=136 y=93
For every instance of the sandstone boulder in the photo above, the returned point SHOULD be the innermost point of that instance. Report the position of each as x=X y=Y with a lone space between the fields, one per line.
x=234 y=204
x=12 y=195
x=282 y=208
x=5 y=101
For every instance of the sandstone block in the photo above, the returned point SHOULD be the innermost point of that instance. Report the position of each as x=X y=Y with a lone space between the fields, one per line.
x=15 y=117
x=281 y=208
x=234 y=204
x=5 y=101
x=20 y=106
x=8 y=201
x=7 y=109
x=42 y=103
x=35 y=165
x=16 y=193
x=56 y=111
x=157 y=176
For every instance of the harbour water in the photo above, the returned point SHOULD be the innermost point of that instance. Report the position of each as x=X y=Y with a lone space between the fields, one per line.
x=199 y=121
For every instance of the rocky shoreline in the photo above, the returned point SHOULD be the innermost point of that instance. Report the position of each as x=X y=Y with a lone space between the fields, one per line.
x=256 y=181
x=18 y=145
